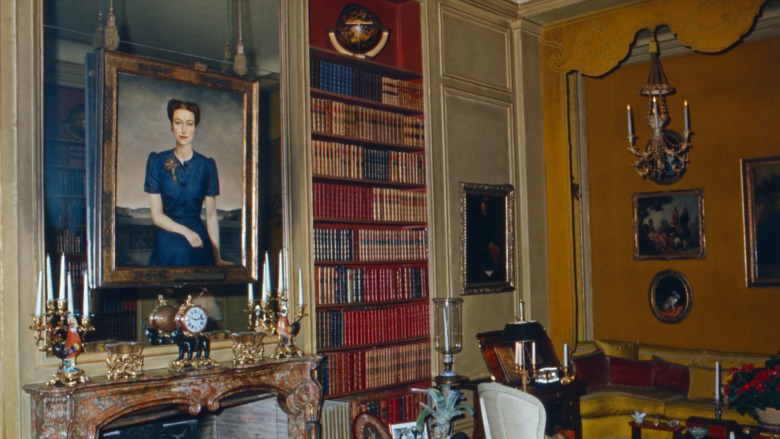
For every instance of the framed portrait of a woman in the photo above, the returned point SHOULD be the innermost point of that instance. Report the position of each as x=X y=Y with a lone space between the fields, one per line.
x=176 y=167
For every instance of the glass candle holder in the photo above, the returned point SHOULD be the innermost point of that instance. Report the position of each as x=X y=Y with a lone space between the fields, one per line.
x=448 y=338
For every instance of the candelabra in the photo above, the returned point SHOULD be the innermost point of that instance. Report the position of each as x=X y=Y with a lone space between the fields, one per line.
x=665 y=158
x=287 y=331
x=526 y=375
x=58 y=332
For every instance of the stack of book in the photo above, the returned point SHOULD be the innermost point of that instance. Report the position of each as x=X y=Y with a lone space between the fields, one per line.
x=342 y=160
x=373 y=368
x=366 y=284
x=370 y=244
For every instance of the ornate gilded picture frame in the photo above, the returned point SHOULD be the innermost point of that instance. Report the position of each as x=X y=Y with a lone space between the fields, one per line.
x=669 y=225
x=135 y=133
x=671 y=297
x=760 y=192
x=487 y=238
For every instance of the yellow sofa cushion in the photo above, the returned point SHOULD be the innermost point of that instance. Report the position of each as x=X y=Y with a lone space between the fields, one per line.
x=684 y=356
x=730 y=360
x=703 y=408
x=616 y=400
x=621 y=349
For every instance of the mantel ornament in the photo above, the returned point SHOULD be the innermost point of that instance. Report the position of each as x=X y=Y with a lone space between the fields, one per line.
x=358 y=32
x=57 y=331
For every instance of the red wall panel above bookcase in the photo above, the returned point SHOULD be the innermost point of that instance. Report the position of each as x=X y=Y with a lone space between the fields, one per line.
x=403 y=48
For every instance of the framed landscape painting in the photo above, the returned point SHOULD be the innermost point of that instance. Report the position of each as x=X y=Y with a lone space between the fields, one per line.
x=761 y=206
x=147 y=192
x=669 y=225
x=487 y=238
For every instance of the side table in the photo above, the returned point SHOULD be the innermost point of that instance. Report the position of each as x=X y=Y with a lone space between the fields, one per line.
x=717 y=428
x=636 y=429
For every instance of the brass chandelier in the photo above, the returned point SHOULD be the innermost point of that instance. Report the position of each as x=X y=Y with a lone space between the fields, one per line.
x=665 y=157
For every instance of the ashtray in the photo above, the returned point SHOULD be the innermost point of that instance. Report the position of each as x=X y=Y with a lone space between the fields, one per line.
x=697 y=432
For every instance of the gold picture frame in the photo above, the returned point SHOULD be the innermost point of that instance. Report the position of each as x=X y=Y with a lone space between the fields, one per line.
x=760 y=187
x=131 y=122
x=669 y=225
x=487 y=241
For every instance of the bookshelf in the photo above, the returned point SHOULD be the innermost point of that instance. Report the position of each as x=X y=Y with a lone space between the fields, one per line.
x=370 y=224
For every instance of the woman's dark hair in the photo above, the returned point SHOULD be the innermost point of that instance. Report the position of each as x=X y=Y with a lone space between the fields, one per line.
x=175 y=104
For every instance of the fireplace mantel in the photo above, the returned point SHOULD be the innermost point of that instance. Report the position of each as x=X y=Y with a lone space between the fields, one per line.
x=81 y=411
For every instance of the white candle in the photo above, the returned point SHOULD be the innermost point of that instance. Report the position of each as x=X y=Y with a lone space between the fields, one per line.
x=266 y=278
x=281 y=272
x=565 y=354
x=251 y=293
x=446 y=330
x=522 y=354
x=630 y=121
x=655 y=111
x=533 y=353
x=63 y=269
x=70 y=295
x=85 y=299
x=686 y=116
x=717 y=381
x=49 y=283
x=300 y=287
x=40 y=294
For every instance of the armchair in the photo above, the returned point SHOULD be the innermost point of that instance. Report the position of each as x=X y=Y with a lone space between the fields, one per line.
x=509 y=413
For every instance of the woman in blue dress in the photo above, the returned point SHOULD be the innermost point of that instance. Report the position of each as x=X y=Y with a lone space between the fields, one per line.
x=180 y=182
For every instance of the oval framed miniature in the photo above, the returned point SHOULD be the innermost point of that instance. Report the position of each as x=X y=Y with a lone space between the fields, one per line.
x=671 y=296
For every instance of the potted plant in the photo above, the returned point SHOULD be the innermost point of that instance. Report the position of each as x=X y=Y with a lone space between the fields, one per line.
x=756 y=391
x=447 y=406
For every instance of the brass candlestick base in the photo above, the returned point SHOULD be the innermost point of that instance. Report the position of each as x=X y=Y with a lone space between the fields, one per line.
x=69 y=378
x=248 y=348
x=263 y=316
x=526 y=375
x=287 y=332
x=568 y=375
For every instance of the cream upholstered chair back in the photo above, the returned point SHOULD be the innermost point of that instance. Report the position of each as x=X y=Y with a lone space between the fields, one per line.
x=509 y=413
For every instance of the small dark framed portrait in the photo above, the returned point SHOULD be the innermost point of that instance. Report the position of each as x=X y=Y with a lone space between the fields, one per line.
x=487 y=238
x=669 y=225
x=761 y=192
x=671 y=298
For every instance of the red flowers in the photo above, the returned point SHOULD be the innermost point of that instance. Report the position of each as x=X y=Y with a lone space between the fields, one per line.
x=752 y=388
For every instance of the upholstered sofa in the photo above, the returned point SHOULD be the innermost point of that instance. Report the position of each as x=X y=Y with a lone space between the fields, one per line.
x=664 y=382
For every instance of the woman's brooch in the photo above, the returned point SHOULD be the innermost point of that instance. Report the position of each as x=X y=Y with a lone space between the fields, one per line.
x=170 y=166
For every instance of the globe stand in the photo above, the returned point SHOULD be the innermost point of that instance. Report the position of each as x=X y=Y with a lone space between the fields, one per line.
x=369 y=54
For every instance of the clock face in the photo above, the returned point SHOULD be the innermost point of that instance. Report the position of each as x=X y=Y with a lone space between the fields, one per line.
x=194 y=320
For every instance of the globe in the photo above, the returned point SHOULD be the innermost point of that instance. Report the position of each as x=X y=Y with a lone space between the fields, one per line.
x=358 y=29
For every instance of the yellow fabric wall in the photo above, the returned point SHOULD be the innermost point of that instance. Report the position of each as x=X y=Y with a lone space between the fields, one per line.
x=734 y=100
